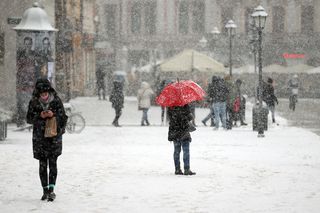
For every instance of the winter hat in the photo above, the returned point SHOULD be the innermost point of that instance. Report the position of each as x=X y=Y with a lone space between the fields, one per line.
x=43 y=85
x=238 y=81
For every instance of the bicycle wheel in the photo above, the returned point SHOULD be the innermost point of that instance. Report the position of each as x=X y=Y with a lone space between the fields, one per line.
x=76 y=123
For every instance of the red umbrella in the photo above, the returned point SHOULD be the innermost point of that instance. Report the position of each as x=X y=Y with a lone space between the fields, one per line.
x=180 y=93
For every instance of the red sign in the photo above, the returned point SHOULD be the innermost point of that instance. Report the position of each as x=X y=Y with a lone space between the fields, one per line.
x=292 y=55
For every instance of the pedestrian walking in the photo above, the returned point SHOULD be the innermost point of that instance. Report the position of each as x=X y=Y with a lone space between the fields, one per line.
x=211 y=113
x=117 y=100
x=164 y=110
x=239 y=104
x=293 y=86
x=47 y=115
x=219 y=93
x=179 y=127
x=269 y=97
x=145 y=93
x=101 y=87
x=231 y=97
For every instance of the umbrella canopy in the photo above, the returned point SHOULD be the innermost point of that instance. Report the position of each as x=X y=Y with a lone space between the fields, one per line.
x=180 y=93
x=189 y=60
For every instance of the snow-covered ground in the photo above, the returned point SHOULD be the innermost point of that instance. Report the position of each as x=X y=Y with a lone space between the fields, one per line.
x=130 y=169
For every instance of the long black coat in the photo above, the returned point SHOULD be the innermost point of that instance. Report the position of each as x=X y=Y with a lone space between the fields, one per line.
x=46 y=147
x=268 y=95
x=179 y=118
x=117 y=96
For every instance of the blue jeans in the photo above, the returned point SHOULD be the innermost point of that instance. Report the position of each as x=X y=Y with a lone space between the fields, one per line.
x=186 y=153
x=144 y=114
x=210 y=115
x=219 y=109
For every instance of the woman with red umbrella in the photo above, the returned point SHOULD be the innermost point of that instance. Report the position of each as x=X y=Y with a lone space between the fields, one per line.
x=179 y=127
x=177 y=96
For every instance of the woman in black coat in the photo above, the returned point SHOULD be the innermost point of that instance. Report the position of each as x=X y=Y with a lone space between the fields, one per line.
x=269 y=97
x=179 y=132
x=45 y=104
x=117 y=100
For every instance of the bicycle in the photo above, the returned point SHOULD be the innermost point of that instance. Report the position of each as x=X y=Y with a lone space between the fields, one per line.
x=76 y=122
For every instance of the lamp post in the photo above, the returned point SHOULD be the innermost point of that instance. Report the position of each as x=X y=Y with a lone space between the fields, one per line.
x=35 y=47
x=231 y=28
x=259 y=18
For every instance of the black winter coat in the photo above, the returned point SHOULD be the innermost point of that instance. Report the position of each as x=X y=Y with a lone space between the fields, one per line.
x=46 y=147
x=179 y=118
x=117 y=96
x=268 y=95
x=218 y=90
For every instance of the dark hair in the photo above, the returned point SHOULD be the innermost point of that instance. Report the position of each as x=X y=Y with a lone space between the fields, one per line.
x=270 y=80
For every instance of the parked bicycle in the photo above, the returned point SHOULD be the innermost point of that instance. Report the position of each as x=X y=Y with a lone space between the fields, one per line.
x=76 y=122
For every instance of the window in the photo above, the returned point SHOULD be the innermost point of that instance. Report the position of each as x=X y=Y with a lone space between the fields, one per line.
x=198 y=17
x=110 y=14
x=184 y=17
x=136 y=16
x=2 y=47
x=150 y=17
x=307 y=19
x=278 y=16
x=192 y=13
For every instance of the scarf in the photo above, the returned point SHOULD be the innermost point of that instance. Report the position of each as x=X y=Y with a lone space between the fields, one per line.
x=45 y=103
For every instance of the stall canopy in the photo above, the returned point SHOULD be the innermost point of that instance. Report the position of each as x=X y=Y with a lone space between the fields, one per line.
x=191 y=60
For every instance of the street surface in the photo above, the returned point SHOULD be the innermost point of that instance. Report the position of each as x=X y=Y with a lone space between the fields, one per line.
x=306 y=115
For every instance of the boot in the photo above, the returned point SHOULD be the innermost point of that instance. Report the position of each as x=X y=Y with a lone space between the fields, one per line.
x=148 y=124
x=204 y=123
x=178 y=172
x=142 y=123
x=188 y=172
x=51 y=195
x=45 y=194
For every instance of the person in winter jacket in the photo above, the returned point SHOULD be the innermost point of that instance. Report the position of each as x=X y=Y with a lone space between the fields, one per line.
x=230 y=101
x=164 y=110
x=241 y=104
x=269 y=97
x=144 y=96
x=44 y=104
x=117 y=100
x=219 y=93
x=293 y=86
x=180 y=118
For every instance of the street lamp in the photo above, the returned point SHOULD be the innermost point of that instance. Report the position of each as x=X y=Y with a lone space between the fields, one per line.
x=35 y=46
x=231 y=28
x=259 y=18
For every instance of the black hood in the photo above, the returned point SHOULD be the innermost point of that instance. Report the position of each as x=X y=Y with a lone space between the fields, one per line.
x=43 y=85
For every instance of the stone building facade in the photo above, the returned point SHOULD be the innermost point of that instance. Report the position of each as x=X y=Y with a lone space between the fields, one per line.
x=161 y=28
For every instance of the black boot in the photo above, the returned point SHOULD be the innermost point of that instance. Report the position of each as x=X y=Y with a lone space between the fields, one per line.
x=188 y=172
x=51 y=195
x=178 y=172
x=147 y=122
x=45 y=194
x=142 y=123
